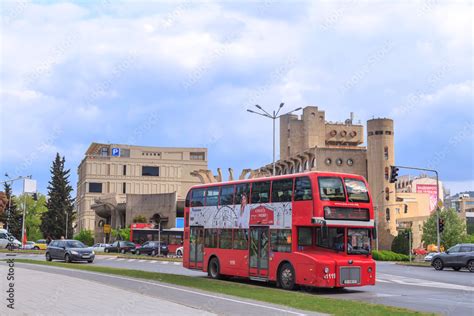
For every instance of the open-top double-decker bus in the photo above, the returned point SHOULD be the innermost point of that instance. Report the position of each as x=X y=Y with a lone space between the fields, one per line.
x=311 y=229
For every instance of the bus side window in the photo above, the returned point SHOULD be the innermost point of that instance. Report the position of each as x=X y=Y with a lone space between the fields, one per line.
x=303 y=190
x=282 y=190
x=197 y=197
x=260 y=192
x=242 y=190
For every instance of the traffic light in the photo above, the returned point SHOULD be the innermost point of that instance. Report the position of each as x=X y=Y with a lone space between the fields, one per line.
x=35 y=196
x=393 y=174
x=441 y=225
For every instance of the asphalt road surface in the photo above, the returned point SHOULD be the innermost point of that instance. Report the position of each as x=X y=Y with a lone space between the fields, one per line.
x=420 y=288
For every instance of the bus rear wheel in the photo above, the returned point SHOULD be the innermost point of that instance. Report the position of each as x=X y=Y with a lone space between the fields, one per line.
x=214 y=269
x=286 y=276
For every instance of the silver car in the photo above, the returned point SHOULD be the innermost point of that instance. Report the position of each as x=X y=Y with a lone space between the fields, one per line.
x=429 y=256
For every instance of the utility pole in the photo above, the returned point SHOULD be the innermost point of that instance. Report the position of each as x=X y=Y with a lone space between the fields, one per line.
x=273 y=117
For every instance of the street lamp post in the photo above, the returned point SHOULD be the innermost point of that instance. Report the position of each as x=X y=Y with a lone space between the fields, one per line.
x=273 y=116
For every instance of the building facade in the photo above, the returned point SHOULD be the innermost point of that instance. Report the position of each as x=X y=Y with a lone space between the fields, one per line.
x=111 y=177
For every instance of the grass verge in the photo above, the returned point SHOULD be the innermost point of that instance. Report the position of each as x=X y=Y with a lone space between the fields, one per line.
x=294 y=299
x=145 y=257
x=415 y=264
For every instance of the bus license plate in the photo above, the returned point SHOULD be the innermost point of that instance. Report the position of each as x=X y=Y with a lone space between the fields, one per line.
x=350 y=282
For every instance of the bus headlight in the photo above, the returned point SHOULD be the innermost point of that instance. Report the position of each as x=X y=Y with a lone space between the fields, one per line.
x=326 y=270
x=369 y=269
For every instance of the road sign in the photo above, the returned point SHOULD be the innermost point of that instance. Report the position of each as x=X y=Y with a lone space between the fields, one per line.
x=440 y=204
x=106 y=229
x=116 y=152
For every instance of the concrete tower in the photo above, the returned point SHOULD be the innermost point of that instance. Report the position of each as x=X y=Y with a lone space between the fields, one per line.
x=380 y=156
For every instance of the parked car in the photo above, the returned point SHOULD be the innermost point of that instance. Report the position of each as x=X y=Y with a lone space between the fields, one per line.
x=152 y=248
x=8 y=241
x=456 y=257
x=69 y=251
x=179 y=251
x=41 y=244
x=120 y=246
x=29 y=245
x=100 y=247
x=420 y=252
x=429 y=256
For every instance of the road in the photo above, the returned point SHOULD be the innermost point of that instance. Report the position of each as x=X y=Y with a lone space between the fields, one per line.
x=420 y=288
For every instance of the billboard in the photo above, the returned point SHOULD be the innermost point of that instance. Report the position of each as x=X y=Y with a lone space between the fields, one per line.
x=429 y=189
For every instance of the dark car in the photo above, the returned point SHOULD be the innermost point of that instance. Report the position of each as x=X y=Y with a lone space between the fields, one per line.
x=69 y=251
x=120 y=246
x=152 y=248
x=456 y=257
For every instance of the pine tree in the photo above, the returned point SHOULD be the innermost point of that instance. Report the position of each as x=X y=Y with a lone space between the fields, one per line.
x=12 y=216
x=53 y=222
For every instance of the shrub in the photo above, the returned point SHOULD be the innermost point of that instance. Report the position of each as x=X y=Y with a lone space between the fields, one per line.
x=400 y=243
x=387 y=255
x=86 y=237
x=140 y=219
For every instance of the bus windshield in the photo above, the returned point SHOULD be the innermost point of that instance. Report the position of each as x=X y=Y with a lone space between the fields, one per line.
x=356 y=190
x=331 y=189
x=358 y=241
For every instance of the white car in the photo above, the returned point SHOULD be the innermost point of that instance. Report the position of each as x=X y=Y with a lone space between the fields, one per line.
x=30 y=245
x=179 y=252
x=99 y=247
x=7 y=240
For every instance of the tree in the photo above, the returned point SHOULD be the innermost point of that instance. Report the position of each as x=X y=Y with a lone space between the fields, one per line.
x=59 y=203
x=12 y=217
x=86 y=236
x=34 y=212
x=454 y=229
x=400 y=244
x=140 y=219
x=121 y=234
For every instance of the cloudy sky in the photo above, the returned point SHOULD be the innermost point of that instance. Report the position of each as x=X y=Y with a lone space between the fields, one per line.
x=183 y=73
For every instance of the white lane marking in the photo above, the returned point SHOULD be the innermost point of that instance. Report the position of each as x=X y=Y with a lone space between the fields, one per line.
x=177 y=263
x=120 y=259
x=111 y=258
x=141 y=260
x=131 y=260
x=183 y=290
x=152 y=261
x=383 y=281
x=164 y=262
x=426 y=283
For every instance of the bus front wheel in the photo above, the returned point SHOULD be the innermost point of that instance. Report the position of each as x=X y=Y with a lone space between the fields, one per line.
x=286 y=276
x=214 y=268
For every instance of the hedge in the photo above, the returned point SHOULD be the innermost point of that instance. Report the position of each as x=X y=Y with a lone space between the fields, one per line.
x=387 y=255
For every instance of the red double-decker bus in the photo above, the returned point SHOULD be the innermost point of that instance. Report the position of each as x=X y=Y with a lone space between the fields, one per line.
x=311 y=229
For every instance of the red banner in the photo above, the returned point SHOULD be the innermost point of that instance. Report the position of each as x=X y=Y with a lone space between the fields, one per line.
x=429 y=189
x=261 y=216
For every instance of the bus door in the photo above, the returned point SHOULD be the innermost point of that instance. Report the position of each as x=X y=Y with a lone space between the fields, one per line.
x=196 y=247
x=258 y=252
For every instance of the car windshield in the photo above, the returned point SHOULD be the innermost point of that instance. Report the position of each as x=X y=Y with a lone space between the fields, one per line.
x=75 y=244
x=358 y=241
x=356 y=190
x=129 y=243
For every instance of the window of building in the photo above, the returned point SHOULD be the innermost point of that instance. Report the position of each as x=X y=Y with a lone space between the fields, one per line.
x=95 y=187
x=387 y=173
x=212 y=196
x=124 y=152
x=282 y=190
x=150 y=171
x=124 y=170
x=371 y=133
x=328 y=161
x=385 y=152
x=388 y=133
x=281 y=240
x=179 y=208
x=227 y=195
x=124 y=187
x=210 y=238
x=225 y=239
x=387 y=194
x=261 y=192
x=104 y=151
x=197 y=197
x=305 y=236
x=387 y=214
x=339 y=161
x=198 y=156
x=350 y=162
x=241 y=239
x=378 y=132
x=242 y=191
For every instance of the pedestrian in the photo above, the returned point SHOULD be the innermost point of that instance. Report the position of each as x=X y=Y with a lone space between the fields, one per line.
x=62 y=237
x=48 y=239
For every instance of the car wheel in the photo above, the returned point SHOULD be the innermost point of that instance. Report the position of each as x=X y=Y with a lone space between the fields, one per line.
x=67 y=258
x=286 y=277
x=214 y=269
x=90 y=261
x=48 y=257
x=122 y=251
x=456 y=268
x=36 y=248
x=470 y=266
x=106 y=250
x=179 y=253
x=438 y=264
x=137 y=252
